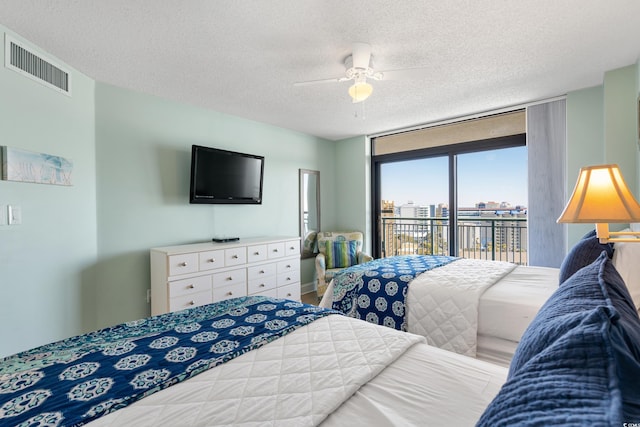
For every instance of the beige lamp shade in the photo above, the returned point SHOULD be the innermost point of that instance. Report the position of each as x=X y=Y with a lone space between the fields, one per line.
x=601 y=196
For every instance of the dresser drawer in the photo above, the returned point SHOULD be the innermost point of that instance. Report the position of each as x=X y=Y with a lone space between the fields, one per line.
x=183 y=264
x=185 y=276
x=210 y=260
x=292 y=247
x=230 y=278
x=189 y=286
x=276 y=250
x=229 y=291
x=258 y=271
x=190 y=301
x=272 y=293
x=288 y=277
x=235 y=256
x=290 y=291
x=256 y=253
x=259 y=285
x=288 y=265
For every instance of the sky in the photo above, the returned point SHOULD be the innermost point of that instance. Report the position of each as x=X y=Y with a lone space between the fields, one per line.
x=496 y=176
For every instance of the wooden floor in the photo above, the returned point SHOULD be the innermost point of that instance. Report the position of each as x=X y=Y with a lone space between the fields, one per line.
x=310 y=298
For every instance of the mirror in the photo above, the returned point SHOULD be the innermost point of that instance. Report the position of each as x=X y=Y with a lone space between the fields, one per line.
x=309 y=211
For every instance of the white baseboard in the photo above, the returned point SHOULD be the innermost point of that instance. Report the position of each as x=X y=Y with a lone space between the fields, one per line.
x=306 y=288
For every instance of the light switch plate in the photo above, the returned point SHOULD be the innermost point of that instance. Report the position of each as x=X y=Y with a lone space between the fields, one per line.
x=15 y=215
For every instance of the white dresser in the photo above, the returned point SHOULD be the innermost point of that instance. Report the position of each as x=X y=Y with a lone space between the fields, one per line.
x=187 y=276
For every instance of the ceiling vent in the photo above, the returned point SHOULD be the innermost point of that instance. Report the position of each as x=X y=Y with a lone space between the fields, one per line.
x=20 y=58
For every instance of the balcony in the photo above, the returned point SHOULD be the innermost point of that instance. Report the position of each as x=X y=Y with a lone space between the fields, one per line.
x=501 y=239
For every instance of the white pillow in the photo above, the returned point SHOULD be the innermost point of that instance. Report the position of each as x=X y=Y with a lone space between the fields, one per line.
x=626 y=259
x=635 y=226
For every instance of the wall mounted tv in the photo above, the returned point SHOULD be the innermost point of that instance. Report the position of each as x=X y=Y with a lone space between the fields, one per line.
x=226 y=177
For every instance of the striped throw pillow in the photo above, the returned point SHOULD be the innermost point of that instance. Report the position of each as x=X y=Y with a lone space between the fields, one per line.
x=340 y=254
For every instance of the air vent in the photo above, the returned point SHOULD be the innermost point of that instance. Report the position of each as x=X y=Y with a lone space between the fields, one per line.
x=37 y=67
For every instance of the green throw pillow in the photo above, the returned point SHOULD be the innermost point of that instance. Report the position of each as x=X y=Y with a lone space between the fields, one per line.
x=340 y=254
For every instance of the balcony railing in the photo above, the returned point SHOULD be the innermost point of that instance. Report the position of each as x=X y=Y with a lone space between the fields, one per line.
x=502 y=239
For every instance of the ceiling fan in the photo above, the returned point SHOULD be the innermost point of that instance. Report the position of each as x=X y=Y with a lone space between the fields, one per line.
x=359 y=68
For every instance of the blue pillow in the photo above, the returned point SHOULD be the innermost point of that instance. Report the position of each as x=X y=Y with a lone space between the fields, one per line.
x=579 y=360
x=582 y=254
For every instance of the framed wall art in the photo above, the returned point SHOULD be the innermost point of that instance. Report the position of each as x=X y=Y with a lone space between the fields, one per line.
x=29 y=166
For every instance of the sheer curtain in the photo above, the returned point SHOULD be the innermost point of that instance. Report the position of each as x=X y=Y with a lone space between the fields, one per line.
x=546 y=143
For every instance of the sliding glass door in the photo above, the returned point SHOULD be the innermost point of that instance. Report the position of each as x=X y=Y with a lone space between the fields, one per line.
x=414 y=195
x=492 y=204
x=480 y=187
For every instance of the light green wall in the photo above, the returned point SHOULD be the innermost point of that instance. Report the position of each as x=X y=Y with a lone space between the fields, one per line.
x=602 y=127
x=143 y=151
x=80 y=260
x=353 y=196
x=621 y=122
x=585 y=135
x=45 y=263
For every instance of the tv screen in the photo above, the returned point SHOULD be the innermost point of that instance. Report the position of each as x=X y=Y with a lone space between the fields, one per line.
x=221 y=176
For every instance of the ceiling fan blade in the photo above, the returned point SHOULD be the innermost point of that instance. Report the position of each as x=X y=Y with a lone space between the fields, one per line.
x=405 y=73
x=314 y=82
x=361 y=55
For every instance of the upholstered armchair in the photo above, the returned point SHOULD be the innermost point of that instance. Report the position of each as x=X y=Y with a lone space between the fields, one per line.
x=337 y=250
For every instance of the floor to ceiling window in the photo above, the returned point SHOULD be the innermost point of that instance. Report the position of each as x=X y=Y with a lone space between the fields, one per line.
x=478 y=186
x=529 y=236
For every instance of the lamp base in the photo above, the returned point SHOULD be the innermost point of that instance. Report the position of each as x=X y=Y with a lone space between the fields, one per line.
x=605 y=236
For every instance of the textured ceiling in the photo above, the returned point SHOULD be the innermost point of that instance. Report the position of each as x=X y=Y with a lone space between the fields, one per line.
x=242 y=57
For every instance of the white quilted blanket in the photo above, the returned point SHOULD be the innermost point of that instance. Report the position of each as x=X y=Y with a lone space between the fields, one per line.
x=297 y=380
x=442 y=304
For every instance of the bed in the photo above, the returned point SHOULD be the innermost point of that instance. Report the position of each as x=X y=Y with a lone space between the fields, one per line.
x=260 y=361
x=478 y=308
x=297 y=365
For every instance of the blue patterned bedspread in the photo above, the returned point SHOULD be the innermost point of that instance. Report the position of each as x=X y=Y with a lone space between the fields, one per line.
x=73 y=381
x=376 y=291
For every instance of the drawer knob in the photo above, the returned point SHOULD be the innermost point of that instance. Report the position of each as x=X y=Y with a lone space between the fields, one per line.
x=229 y=278
x=182 y=264
x=190 y=286
x=229 y=293
x=293 y=248
x=192 y=303
x=275 y=250
x=261 y=285
x=288 y=279
x=235 y=257
x=289 y=294
x=211 y=260
x=256 y=253
x=288 y=265
x=261 y=271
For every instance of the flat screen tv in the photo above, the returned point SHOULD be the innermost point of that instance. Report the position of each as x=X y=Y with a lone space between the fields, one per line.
x=227 y=177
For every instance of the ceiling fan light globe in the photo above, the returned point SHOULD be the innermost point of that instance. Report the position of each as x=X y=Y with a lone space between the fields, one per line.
x=360 y=91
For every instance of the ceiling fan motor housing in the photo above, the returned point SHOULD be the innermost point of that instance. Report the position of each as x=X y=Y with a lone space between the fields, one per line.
x=357 y=73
